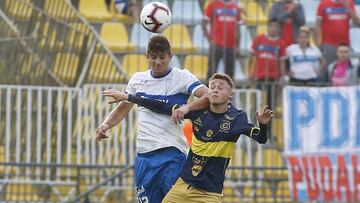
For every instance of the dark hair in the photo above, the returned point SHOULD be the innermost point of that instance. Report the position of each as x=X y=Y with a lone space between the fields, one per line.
x=222 y=76
x=272 y=20
x=343 y=45
x=158 y=44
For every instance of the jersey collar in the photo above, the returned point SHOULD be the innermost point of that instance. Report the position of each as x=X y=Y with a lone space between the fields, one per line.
x=170 y=69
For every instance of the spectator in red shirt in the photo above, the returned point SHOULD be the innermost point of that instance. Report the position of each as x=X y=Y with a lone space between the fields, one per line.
x=268 y=52
x=332 y=26
x=224 y=35
x=290 y=15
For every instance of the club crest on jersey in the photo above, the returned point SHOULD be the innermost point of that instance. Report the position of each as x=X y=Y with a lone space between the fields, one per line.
x=225 y=126
x=196 y=169
x=209 y=133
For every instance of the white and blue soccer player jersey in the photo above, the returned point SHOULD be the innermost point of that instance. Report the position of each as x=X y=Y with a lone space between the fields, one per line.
x=156 y=131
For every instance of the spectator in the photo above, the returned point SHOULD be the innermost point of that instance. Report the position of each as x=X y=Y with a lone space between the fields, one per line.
x=304 y=59
x=332 y=26
x=127 y=7
x=344 y=70
x=268 y=50
x=290 y=15
x=224 y=36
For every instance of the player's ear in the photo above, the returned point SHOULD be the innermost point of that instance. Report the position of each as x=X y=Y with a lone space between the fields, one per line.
x=231 y=94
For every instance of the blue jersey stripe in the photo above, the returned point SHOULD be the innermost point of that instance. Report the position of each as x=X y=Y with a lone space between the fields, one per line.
x=335 y=10
x=179 y=98
x=193 y=86
x=302 y=58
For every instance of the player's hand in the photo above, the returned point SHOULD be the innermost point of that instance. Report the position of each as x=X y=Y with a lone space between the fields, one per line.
x=116 y=95
x=265 y=116
x=178 y=114
x=101 y=132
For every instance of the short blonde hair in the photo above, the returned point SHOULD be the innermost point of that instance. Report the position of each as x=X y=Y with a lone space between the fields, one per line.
x=224 y=77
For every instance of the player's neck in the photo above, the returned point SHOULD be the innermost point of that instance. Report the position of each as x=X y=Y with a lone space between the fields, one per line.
x=219 y=108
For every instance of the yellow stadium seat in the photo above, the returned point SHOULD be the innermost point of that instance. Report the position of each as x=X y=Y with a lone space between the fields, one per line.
x=59 y=9
x=134 y=63
x=254 y=13
x=283 y=192
x=261 y=192
x=20 y=193
x=66 y=66
x=198 y=65
x=18 y=9
x=103 y=69
x=230 y=195
x=277 y=130
x=179 y=38
x=94 y=10
x=115 y=37
x=261 y=29
x=272 y=159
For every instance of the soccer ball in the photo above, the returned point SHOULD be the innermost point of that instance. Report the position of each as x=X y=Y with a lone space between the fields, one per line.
x=155 y=17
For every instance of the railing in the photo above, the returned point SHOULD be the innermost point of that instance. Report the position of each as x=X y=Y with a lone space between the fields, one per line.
x=67 y=187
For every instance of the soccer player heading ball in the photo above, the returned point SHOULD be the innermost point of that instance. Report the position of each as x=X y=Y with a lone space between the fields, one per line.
x=161 y=147
x=216 y=130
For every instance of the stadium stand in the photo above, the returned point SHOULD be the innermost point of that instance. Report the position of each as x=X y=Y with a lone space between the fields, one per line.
x=94 y=10
x=179 y=37
x=116 y=38
x=186 y=12
x=197 y=64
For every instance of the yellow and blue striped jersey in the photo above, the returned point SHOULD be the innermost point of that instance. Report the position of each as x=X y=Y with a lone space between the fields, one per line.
x=213 y=144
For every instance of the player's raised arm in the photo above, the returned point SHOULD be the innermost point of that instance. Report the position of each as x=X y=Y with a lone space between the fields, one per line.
x=264 y=117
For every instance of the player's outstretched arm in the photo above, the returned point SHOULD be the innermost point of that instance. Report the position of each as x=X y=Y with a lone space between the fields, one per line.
x=154 y=105
x=178 y=115
x=114 y=118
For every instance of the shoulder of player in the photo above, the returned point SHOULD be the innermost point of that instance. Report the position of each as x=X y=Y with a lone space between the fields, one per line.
x=181 y=72
x=140 y=75
x=236 y=113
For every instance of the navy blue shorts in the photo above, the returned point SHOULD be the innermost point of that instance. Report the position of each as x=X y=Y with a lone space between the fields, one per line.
x=156 y=172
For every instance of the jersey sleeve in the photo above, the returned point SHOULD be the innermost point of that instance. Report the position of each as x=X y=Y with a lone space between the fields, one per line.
x=208 y=13
x=191 y=82
x=258 y=134
x=130 y=86
x=282 y=47
x=152 y=104
x=320 y=11
x=160 y=107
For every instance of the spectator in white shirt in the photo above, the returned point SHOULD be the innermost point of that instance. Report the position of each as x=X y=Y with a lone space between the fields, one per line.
x=305 y=60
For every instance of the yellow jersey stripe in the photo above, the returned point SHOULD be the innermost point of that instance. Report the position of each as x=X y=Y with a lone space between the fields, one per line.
x=222 y=149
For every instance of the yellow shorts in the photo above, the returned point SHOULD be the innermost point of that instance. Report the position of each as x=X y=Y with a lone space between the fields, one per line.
x=183 y=192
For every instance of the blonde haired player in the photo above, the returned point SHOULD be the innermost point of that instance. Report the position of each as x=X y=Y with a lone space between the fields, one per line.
x=216 y=130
